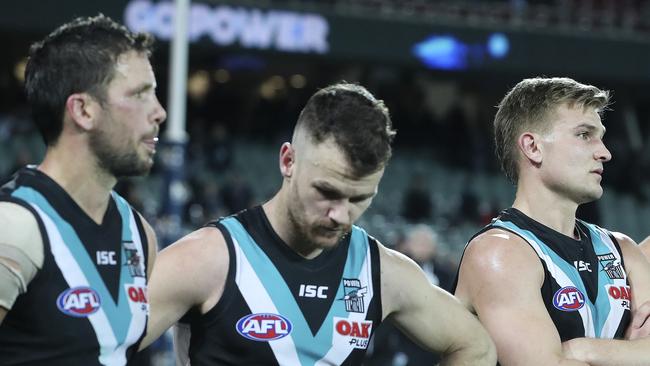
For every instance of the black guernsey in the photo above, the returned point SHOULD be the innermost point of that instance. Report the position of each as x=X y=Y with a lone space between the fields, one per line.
x=280 y=308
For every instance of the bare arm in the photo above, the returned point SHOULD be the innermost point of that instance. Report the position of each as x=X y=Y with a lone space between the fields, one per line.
x=21 y=253
x=189 y=273
x=621 y=352
x=500 y=279
x=430 y=316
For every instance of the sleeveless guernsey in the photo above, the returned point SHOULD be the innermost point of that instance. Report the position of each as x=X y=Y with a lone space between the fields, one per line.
x=585 y=288
x=87 y=305
x=280 y=308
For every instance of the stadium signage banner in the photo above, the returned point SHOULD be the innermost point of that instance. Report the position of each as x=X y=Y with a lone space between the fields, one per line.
x=279 y=30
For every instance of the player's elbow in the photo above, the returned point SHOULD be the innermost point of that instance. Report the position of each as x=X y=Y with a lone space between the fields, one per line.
x=479 y=350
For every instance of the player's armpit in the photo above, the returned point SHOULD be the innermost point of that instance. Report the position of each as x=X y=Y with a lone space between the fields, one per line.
x=430 y=316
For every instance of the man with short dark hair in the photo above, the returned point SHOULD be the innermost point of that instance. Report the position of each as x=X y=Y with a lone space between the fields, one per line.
x=293 y=281
x=549 y=288
x=74 y=255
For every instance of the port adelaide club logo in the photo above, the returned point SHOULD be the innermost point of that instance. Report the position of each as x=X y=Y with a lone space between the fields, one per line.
x=354 y=295
x=611 y=266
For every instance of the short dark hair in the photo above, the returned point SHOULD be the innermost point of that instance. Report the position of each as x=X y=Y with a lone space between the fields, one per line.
x=529 y=105
x=77 y=57
x=358 y=122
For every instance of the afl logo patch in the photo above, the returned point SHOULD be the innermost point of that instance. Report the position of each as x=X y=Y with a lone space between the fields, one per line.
x=264 y=327
x=79 y=301
x=568 y=299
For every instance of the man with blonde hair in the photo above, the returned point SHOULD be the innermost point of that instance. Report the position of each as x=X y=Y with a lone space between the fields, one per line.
x=552 y=289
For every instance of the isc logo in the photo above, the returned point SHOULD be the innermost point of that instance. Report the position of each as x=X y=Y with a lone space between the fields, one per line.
x=568 y=299
x=79 y=301
x=313 y=291
x=105 y=257
x=264 y=327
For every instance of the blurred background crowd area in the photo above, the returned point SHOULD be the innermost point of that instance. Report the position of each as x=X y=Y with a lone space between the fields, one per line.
x=440 y=66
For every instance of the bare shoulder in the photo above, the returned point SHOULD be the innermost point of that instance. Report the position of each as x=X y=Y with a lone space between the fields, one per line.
x=493 y=257
x=200 y=259
x=629 y=248
x=16 y=217
x=635 y=257
x=644 y=245
x=201 y=250
x=401 y=280
x=497 y=250
x=623 y=239
x=395 y=267
x=20 y=229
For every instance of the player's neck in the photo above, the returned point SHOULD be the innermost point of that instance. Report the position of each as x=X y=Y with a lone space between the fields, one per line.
x=80 y=177
x=548 y=208
x=275 y=211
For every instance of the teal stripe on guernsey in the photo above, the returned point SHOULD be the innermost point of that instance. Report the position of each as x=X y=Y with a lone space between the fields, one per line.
x=119 y=316
x=127 y=236
x=602 y=299
x=283 y=299
x=563 y=265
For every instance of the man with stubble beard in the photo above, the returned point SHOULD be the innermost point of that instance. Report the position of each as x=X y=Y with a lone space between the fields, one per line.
x=74 y=255
x=294 y=281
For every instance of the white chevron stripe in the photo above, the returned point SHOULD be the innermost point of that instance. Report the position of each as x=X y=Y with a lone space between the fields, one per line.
x=563 y=280
x=138 y=317
x=259 y=301
x=341 y=347
x=616 y=309
x=74 y=277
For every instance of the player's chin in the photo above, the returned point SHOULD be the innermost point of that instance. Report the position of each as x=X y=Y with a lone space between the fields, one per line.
x=327 y=241
x=145 y=162
x=592 y=195
x=143 y=167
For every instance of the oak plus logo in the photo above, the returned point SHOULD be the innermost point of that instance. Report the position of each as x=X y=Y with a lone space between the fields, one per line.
x=620 y=294
x=356 y=332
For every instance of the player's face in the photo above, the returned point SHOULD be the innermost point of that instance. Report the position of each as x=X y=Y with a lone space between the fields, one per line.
x=125 y=140
x=325 y=198
x=574 y=154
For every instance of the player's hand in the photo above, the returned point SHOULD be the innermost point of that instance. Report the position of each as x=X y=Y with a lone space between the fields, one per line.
x=639 y=326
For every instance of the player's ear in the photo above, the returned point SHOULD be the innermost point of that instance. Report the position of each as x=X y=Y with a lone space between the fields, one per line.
x=529 y=143
x=82 y=109
x=287 y=159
